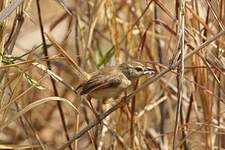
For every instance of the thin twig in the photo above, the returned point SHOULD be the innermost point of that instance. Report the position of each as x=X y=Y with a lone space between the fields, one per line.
x=45 y=48
x=180 y=70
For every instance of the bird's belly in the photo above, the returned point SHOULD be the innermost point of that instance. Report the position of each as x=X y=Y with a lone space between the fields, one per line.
x=106 y=93
x=111 y=92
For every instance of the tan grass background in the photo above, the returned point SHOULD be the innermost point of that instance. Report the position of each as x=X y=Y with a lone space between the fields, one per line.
x=181 y=108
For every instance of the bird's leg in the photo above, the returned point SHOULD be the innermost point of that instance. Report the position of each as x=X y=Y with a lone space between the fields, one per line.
x=127 y=111
x=92 y=108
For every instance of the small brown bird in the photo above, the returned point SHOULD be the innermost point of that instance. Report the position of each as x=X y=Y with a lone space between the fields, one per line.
x=111 y=81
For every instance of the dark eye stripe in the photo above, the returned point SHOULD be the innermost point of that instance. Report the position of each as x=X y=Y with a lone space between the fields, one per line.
x=139 y=68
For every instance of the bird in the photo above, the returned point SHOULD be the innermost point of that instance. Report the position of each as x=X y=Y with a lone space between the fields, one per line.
x=110 y=81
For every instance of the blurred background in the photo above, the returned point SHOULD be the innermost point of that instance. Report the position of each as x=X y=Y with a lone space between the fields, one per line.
x=36 y=110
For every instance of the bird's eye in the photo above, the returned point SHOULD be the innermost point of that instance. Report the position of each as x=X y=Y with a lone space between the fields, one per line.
x=138 y=69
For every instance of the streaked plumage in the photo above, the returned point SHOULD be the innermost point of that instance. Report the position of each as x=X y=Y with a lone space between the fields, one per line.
x=111 y=81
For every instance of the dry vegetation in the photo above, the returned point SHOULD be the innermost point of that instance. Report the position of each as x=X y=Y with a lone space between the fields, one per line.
x=182 y=107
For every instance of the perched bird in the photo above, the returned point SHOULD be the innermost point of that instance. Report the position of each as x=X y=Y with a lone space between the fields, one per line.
x=111 y=81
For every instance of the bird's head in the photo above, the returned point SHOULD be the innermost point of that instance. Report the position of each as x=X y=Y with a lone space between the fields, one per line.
x=134 y=70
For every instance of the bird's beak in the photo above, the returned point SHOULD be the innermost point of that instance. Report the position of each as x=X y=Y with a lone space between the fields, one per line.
x=149 y=71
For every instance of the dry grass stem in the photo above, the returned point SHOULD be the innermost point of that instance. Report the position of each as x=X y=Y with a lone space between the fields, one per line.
x=48 y=48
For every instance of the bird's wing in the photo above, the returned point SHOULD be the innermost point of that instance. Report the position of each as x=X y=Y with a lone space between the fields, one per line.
x=98 y=82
